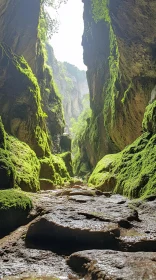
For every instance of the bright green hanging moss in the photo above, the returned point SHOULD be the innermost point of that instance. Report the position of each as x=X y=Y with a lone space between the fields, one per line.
x=100 y=10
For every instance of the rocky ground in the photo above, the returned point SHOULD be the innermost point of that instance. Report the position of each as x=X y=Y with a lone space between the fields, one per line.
x=79 y=233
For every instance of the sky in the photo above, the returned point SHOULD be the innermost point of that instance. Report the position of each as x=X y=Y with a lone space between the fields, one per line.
x=67 y=42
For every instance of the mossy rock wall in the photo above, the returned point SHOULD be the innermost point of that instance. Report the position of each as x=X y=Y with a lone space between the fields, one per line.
x=20 y=102
x=52 y=105
x=131 y=172
x=121 y=71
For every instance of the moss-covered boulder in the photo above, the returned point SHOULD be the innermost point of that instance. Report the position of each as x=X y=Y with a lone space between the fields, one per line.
x=46 y=184
x=26 y=164
x=53 y=168
x=149 y=120
x=14 y=209
x=68 y=162
x=7 y=171
x=131 y=172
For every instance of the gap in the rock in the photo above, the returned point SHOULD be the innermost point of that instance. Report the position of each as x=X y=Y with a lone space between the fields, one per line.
x=65 y=57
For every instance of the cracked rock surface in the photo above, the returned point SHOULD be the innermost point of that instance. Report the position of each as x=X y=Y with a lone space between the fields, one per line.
x=116 y=237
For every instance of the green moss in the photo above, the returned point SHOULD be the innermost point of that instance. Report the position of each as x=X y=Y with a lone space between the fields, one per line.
x=133 y=170
x=53 y=168
x=26 y=164
x=27 y=94
x=100 y=10
x=149 y=121
x=62 y=174
x=2 y=135
x=12 y=199
x=68 y=161
x=14 y=210
x=7 y=171
x=126 y=93
x=79 y=130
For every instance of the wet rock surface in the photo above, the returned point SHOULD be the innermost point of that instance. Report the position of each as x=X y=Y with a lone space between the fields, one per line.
x=113 y=265
x=78 y=219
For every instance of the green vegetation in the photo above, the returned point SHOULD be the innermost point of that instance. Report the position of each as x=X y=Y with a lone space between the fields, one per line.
x=14 y=209
x=26 y=164
x=13 y=199
x=68 y=161
x=53 y=168
x=131 y=172
x=100 y=10
x=2 y=135
x=47 y=25
x=28 y=92
x=149 y=121
x=78 y=130
x=7 y=171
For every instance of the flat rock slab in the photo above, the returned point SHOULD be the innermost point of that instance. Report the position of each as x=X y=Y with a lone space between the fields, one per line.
x=21 y=263
x=80 y=222
x=113 y=265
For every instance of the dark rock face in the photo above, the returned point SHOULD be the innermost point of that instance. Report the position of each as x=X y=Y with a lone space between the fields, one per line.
x=121 y=72
x=110 y=265
x=18 y=22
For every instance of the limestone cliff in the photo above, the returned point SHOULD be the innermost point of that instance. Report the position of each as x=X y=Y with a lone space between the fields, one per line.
x=72 y=84
x=119 y=51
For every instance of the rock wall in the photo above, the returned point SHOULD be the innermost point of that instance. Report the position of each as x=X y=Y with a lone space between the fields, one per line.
x=18 y=22
x=72 y=85
x=19 y=31
x=30 y=107
x=119 y=51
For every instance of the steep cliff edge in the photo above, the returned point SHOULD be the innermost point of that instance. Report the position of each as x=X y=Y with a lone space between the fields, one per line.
x=72 y=85
x=121 y=71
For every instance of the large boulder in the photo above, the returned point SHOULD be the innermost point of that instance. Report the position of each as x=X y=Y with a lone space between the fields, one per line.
x=14 y=209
